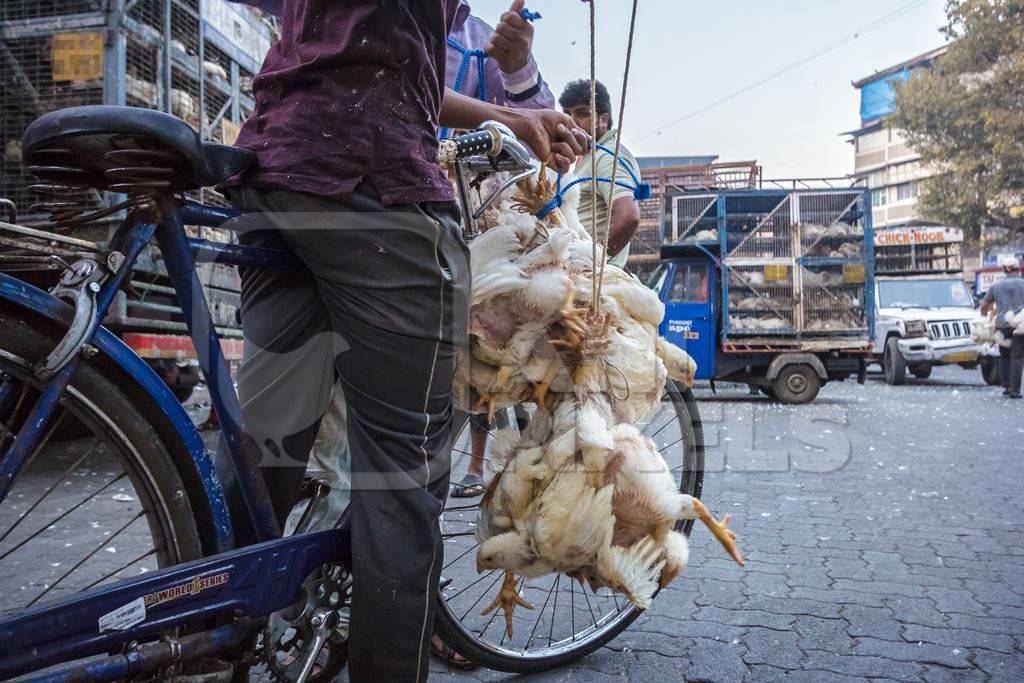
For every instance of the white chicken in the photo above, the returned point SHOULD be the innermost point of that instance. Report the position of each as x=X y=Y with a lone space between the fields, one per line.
x=581 y=492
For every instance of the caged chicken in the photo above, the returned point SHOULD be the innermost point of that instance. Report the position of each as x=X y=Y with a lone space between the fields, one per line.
x=580 y=491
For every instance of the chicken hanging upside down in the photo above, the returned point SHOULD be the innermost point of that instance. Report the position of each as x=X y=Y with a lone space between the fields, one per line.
x=582 y=491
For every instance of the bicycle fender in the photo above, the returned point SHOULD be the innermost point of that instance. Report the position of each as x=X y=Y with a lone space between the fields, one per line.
x=37 y=301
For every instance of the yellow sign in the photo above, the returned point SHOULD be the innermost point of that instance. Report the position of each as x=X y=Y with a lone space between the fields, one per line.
x=853 y=273
x=776 y=272
x=960 y=357
x=228 y=132
x=76 y=56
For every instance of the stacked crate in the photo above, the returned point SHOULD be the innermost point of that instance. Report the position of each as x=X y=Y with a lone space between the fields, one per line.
x=835 y=260
x=194 y=59
x=794 y=263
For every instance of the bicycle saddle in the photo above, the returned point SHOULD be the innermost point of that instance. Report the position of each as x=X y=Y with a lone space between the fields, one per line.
x=126 y=149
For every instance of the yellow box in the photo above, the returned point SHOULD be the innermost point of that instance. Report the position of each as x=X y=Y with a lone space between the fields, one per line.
x=228 y=132
x=776 y=272
x=854 y=273
x=76 y=56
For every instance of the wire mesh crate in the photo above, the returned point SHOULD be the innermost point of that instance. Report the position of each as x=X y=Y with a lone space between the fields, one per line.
x=759 y=226
x=761 y=299
x=694 y=219
x=829 y=224
x=834 y=298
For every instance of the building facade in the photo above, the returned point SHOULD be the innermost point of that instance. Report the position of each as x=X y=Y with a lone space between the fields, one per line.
x=882 y=158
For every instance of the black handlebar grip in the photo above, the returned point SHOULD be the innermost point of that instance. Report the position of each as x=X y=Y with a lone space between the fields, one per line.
x=463 y=146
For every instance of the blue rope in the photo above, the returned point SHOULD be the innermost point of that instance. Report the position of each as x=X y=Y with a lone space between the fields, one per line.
x=528 y=15
x=460 y=77
x=641 y=191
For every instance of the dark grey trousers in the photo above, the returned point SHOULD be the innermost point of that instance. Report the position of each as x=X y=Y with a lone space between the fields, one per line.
x=1011 y=361
x=382 y=306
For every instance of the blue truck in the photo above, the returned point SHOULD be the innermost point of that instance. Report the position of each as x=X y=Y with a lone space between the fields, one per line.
x=771 y=288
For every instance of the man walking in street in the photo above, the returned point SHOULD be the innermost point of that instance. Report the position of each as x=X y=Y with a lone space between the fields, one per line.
x=1008 y=297
x=625 y=212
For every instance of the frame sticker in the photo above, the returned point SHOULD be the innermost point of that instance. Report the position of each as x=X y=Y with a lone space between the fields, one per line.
x=124 y=617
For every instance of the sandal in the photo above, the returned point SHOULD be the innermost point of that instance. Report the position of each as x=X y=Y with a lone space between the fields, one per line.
x=471 y=486
x=450 y=657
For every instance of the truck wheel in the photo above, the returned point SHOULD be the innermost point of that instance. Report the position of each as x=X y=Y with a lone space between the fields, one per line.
x=796 y=384
x=893 y=363
x=921 y=371
x=990 y=373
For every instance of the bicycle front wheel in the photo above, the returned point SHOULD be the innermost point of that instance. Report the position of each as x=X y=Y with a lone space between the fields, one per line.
x=566 y=623
x=99 y=498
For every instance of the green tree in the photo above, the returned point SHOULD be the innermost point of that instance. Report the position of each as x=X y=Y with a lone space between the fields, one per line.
x=965 y=116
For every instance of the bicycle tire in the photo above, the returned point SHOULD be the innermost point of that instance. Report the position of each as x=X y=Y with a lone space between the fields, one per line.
x=691 y=481
x=95 y=399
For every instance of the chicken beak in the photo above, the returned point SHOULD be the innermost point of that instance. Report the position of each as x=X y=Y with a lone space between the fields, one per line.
x=479 y=565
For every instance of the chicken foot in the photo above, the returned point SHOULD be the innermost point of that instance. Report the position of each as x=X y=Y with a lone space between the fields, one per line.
x=540 y=389
x=508 y=597
x=491 y=397
x=720 y=530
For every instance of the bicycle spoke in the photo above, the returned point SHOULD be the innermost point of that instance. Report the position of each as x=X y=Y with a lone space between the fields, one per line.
x=460 y=557
x=589 y=607
x=482 y=578
x=541 y=613
x=78 y=564
x=119 y=569
x=66 y=513
x=49 y=490
x=554 y=609
x=484 y=593
x=9 y=428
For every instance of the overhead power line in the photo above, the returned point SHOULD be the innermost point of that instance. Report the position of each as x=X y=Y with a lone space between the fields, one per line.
x=831 y=47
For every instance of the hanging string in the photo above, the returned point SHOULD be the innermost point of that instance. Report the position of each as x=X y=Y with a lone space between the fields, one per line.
x=618 y=143
x=595 y=305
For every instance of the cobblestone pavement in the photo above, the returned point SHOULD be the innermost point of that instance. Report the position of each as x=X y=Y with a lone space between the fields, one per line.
x=885 y=540
x=882 y=525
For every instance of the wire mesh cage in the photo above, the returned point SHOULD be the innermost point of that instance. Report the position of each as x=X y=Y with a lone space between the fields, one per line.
x=834 y=298
x=40 y=74
x=761 y=299
x=759 y=226
x=830 y=224
x=694 y=219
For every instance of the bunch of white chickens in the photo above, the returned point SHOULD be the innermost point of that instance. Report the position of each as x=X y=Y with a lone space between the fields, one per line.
x=580 y=491
x=986 y=332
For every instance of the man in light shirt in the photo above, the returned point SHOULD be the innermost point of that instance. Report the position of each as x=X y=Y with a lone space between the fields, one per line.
x=575 y=101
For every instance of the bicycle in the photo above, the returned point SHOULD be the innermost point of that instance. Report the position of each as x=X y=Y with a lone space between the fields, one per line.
x=191 y=589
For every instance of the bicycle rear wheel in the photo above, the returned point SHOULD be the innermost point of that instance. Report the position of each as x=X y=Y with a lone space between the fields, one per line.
x=566 y=623
x=85 y=511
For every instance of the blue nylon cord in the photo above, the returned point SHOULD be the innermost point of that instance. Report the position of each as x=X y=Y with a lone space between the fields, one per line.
x=460 y=76
x=641 y=191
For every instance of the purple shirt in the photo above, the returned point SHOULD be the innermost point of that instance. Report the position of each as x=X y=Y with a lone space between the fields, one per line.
x=352 y=91
x=523 y=89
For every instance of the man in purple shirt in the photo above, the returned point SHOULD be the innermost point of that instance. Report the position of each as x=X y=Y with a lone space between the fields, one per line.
x=348 y=102
x=511 y=74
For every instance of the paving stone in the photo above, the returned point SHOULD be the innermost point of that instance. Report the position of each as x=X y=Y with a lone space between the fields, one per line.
x=914 y=652
x=774 y=648
x=875 y=622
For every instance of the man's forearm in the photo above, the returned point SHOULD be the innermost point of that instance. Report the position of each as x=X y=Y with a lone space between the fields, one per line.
x=460 y=111
x=625 y=221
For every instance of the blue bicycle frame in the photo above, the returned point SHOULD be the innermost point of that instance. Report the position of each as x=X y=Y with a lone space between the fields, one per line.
x=232 y=587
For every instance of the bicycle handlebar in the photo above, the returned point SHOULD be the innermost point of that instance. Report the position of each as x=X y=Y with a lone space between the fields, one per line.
x=491 y=148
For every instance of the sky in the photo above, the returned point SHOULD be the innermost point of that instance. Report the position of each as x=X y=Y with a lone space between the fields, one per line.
x=689 y=54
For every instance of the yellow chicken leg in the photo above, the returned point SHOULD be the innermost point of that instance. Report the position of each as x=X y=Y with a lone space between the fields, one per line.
x=720 y=530
x=489 y=399
x=508 y=597
x=540 y=390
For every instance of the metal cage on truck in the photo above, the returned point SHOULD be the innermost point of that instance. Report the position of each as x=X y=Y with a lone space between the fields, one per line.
x=795 y=264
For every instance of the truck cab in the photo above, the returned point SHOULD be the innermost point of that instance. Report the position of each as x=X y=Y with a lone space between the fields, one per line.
x=925 y=311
